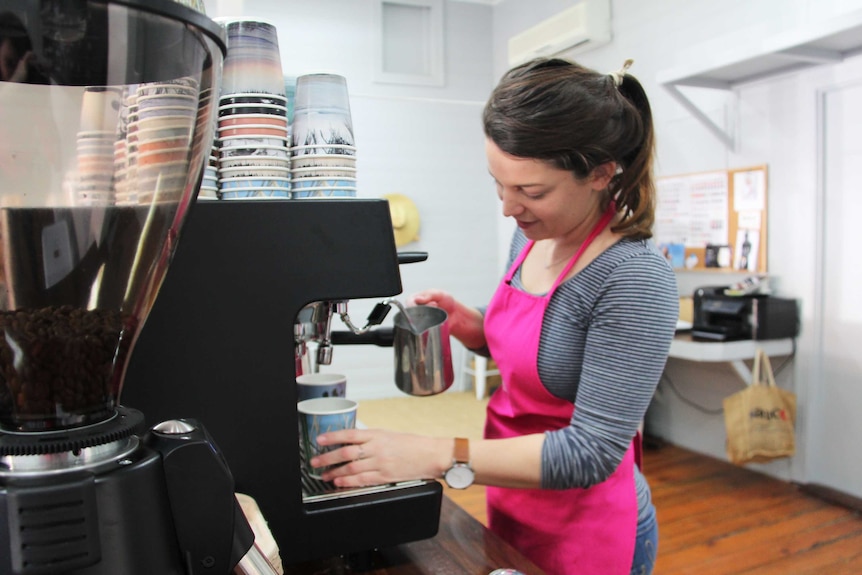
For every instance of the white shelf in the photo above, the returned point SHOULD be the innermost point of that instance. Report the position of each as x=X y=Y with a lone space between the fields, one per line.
x=685 y=348
x=733 y=352
x=821 y=42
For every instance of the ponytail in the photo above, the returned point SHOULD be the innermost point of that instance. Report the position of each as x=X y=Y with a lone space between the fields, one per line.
x=634 y=192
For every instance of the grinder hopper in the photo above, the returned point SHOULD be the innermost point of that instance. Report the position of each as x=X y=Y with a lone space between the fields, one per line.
x=87 y=224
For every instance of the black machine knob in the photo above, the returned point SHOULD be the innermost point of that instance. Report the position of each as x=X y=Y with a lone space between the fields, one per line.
x=174 y=427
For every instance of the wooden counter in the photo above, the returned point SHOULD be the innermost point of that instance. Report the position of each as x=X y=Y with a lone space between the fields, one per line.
x=462 y=546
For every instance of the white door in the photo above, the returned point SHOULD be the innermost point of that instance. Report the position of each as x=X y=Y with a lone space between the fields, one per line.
x=836 y=402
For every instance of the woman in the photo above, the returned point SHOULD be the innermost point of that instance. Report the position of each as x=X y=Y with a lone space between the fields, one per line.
x=579 y=327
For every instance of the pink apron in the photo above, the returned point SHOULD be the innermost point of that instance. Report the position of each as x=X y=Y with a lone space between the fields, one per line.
x=565 y=532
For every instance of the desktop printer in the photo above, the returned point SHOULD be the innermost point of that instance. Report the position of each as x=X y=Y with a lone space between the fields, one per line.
x=720 y=317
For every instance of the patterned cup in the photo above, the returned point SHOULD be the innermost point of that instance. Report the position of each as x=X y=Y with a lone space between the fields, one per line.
x=322 y=415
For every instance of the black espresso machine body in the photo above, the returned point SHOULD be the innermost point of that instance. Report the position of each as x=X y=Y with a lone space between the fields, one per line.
x=219 y=346
x=721 y=317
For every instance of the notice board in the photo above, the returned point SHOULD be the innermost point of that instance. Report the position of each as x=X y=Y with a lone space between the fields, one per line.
x=714 y=220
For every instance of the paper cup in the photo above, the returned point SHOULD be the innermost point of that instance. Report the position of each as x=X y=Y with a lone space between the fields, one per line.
x=256 y=194
x=315 y=385
x=323 y=149
x=324 y=173
x=253 y=98
x=238 y=120
x=322 y=415
x=254 y=172
x=242 y=109
x=339 y=182
x=316 y=193
x=245 y=148
x=324 y=161
x=253 y=131
x=251 y=183
x=251 y=142
x=182 y=101
x=257 y=161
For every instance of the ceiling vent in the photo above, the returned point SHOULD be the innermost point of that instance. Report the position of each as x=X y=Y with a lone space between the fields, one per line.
x=584 y=26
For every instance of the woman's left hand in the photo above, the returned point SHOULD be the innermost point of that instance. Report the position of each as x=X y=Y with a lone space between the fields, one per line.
x=375 y=457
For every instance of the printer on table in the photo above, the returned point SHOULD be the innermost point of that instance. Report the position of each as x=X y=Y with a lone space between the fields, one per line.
x=721 y=317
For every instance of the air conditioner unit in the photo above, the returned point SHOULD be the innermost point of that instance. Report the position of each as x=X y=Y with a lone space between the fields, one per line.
x=583 y=27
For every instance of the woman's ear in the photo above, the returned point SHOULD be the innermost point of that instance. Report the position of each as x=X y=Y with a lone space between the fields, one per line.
x=601 y=175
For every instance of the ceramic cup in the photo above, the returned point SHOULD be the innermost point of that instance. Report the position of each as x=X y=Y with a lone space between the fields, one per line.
x=314 y=385
x=321 y=415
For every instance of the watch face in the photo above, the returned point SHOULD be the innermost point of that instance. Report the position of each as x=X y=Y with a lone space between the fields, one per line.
x=459 y=476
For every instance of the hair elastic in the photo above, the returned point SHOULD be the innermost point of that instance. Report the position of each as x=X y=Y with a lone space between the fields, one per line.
x=620 y=74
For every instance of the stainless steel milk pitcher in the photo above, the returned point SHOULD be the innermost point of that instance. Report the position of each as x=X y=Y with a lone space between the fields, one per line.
x=420 y=338
x=423 y=356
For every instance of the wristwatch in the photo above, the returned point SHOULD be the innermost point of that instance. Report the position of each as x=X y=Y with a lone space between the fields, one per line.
x=460 y=475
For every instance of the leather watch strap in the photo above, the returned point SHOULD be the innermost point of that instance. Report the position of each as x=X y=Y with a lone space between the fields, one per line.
x=462 y=450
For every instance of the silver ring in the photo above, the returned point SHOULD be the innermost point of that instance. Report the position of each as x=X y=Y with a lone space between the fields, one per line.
x=361 y=453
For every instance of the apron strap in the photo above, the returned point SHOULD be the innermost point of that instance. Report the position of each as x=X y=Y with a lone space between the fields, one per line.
x=599 y=227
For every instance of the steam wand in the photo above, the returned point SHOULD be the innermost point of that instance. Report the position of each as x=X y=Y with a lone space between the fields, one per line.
x=377 y=315
x=382 y=337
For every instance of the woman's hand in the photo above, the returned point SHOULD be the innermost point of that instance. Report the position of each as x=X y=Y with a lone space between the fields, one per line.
x=466 y=324
x=375 y=457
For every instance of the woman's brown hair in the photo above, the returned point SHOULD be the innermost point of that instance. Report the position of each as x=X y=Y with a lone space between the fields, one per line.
x=577 y=119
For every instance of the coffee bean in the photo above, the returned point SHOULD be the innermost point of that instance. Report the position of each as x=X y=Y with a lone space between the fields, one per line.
x=58 y=365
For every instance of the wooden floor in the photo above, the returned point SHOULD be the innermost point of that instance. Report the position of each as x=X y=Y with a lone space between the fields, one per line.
x=719 y=519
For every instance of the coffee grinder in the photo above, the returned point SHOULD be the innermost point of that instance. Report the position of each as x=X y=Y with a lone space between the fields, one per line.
x=87 y=234
x=251 y=282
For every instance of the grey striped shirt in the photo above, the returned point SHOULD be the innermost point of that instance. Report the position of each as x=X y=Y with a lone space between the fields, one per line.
x=604 y=343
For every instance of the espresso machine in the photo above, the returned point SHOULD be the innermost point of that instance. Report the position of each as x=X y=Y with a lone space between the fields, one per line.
x=252 y=283
x=86 y=486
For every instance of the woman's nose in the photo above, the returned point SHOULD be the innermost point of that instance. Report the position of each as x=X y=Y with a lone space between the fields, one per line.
x=511 y=206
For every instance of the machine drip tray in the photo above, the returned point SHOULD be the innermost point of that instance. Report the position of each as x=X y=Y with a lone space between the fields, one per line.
x=317 y=490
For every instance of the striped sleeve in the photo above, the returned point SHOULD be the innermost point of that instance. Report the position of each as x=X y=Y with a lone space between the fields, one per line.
x=605 y=341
